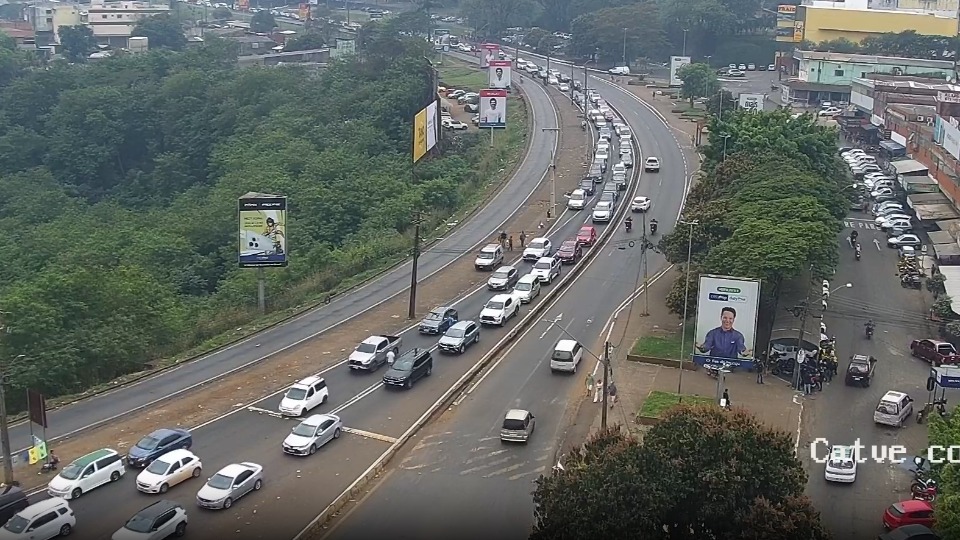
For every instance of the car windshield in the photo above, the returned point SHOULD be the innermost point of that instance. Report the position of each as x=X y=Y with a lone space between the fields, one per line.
x=522 y=286
x=576 y=196
x=158 y=467
x=499 y=275
x=305 y=430
x=71 y=471
x=542 y=265
x=485 y=255
x=297 y=394
x=584 y=232
x=858 y=367
x=434 y=316
x=139 y=524
x=494 y=305
x=895 y=511
x=455 y=332
x=17 y=524
x=640 y=200
x=404 y=364
x=537 y=244
x=603 y=205
x=148 y=443
x=220 y=481
x=562 y=355
x=568 y=246
x=367 y=348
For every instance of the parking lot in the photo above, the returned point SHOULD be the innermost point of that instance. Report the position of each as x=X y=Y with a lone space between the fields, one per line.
x=755 y=82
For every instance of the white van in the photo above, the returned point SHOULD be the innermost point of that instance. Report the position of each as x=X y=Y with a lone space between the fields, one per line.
x=894 y=409
x=87 y=473
x=567 y=354
x=577 y=200
x=527 y=288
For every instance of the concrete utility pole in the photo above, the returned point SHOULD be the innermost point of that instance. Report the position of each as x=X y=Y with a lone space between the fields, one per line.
x=686 y=302
x=412 y=310
x=606 y=385
x=552 y=209
x=4 y=422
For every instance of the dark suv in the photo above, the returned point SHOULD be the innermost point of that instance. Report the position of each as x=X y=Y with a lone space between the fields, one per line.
x=409 y=367
x=159 y=520
x=860 y=370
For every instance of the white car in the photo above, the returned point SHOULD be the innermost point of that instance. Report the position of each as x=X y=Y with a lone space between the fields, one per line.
x=619 y=168
x=456 y=125
x=547 y=269
x=620 y=70
x=499 y=309
x=830 y=111
x=538 y=247
x=880 y=221
x=577 y=200
x=228 y=485
x=911 y=240
x=527 y=288
x=603 y=146
x=169 y=470
x=34 y=523
x=842 y=465
x=651 y=164
x=624 y=150
x=898 y=226
x=886 y=206
x=640 y=204
x=553 y=81
x=882 y=192
x=312 y=433
x=602 y=212
x=563 y=87
x=304 y=396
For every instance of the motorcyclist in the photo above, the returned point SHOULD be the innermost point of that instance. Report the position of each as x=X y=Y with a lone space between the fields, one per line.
x=653 y=226
x=629 y=223
x=853 y=237
x=583 y=125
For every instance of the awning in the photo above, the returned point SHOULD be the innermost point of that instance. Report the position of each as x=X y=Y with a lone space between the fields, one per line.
x=908 y=166
x=934 y=212
x=941 y=237
x=893 y=147
x=952 y=285
x=870 y=127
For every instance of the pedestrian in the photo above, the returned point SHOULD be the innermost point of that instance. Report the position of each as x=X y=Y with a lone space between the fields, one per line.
x=612 y=393
x=510 y=243
x=760 y=368
x=807 y=384
x=590 y=384
x=599 y=392
x=523 y=239
x=725 y=401
x=503 y=238
x=390 y=357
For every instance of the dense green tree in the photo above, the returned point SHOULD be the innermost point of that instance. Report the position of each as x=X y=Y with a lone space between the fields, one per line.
x=493 y=17
x=603 y=31
x=699 y=80
x=722 y=102
x=262 y=22
x=77 y=42
x=305 y=42
x=945 y=432
x=221 y=14
x=161 y=31
x=699 y=473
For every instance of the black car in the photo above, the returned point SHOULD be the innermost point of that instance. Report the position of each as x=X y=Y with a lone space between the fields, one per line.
x=157 y=444
x=159 y=520
x=409 y=367
x=587 y=186
x=860 y=370
x=909 y=532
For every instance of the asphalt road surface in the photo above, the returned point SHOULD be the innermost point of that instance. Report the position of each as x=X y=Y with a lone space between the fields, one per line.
x=756 y=82
x=841 y=413
x=481 y=227
x=374 y=417
x=474 y=486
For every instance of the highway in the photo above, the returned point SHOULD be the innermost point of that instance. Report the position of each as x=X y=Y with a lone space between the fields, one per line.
x=484 y=223
x=474 y=486
x=842 y=414
x=374 y=416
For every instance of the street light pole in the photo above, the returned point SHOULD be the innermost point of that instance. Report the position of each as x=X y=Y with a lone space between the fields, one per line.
x=725 y=137
x=624 y=46
x=553 y=175
x=686 y=301
x=684 y=53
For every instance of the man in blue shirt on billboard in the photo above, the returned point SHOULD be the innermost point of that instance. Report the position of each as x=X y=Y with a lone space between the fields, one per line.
x=724 y=341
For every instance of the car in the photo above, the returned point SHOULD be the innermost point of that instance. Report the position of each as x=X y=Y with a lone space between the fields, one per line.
x=731 y=66
x=640 y=204
x=934 y=351
x=898 y=225
x=738 y=73
x=884 y=220
x=627 y=159
x=602 y=212
x=762 y=67
x=312 y=433
x=409 y=368
x=471 y=108
x=587 y=235
x=460 y=336
x=604 y=134
x=546 y=269
x=563 y=87
x=909 y=512
x=910 y=532
x=229 y=485
x=619 y=168
x=830 y=111
x=772 y=67
x=625 y=150
x=860 y=370
x=41 y=520
x=161 y=519
x=651 y=164
x=527 y=288
x=742 y=67
x=751 y=67
x=537 y=248
x=438 y=320
x=499 y=309
x=502 y=279
x=904 y=240
x=881 y=192
x=578 y=198
x=619 y=70
x=602 y=158
x=518 y=426
x=157 y=444
x=455 y=93
x=87 y=473
x=303 y=396
x=842 y=465
x=586 y=185
x=570 y=252
x=553 y=81
x=620 y=179
x=489 y=257
x=169 y=470
x=887 y=207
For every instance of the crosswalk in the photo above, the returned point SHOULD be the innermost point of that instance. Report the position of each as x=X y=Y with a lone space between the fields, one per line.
x=485 y=457
x=860 y=224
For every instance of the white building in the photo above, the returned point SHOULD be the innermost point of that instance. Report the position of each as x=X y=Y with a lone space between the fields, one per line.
x=113 y=22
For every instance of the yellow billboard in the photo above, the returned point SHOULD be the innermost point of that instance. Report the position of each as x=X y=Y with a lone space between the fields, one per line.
x=798 y=31
x=419 y=135
x=304 y=12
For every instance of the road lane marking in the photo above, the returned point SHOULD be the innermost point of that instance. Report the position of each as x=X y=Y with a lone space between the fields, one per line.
x=473 y=460
x=370 y=435
x=479 y=468
x=538 y=470
x=268 y=412
x=505 y=470
x=369 y=390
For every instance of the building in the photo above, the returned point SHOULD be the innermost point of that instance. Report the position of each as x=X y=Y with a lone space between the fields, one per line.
x=817 y=21
x=46 y=20
x=823 y=76
x=113 y=22
x=252 y=44
x=25 y=38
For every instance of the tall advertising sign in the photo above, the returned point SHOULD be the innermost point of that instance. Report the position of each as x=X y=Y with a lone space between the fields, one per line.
x=424 y=131
x=304 y=12
x=493 y=108
x=499 y=73
x=751 y=102
x=726 y=320
x=488 y=53
x=263 y=230
x=677 y=62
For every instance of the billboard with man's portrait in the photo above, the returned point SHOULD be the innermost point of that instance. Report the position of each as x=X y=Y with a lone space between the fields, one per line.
x=489 y=52
x=493 y=108
x=726 y=319
x=500 y=73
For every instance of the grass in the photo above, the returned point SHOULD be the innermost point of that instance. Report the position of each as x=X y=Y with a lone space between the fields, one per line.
x=658 y=402
x=664 y=345
x=457 y=74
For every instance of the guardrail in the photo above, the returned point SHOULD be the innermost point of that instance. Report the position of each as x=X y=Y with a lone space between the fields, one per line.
x=316 y=529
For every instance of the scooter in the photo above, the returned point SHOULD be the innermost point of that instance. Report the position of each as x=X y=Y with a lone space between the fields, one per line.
x=653 y=227
x=714 y=370
x=857 y=253
x=628 y=224
x=869 y=332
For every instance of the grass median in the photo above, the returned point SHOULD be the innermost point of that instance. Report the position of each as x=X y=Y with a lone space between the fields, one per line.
x=657 y=403
x=665 y=344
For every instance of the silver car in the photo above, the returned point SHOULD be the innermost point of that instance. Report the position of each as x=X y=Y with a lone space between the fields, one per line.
x=228 y=485
x=459 y=337
x=312 y=433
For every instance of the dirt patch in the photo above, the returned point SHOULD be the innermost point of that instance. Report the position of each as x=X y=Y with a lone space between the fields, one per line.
x=278 y=372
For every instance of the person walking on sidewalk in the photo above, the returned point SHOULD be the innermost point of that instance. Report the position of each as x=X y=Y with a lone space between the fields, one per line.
x=598 y=393
x=725 y=401
x=523 y=239
x=590 y=383
x=760 y=368
x=510 y=243
x=612 y=393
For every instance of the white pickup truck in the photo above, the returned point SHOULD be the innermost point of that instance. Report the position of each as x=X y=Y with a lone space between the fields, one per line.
x=371 y=353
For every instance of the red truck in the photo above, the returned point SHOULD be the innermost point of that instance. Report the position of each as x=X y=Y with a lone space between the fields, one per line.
x=935 y=352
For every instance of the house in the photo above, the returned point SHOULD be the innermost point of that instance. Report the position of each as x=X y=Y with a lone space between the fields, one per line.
x=252 y=44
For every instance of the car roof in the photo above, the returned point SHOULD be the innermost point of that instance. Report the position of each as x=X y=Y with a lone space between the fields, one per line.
x=892 y=395
x=174 y=455
x=501 y=298
x=540 y=239
x=565 y=345
x=546 y=259
x=158 y=508
x=652 y=158
x=440 y=309
x=860 y=358
x=83 y=461
x=42 y=507
x=317 y=419
x=912 y=505
x=906 y=532
x=490 y=247
x=463 y=324
x=163 y=432
x=233 y=469
x=569 y=243
x=517 y=414
x=588 y=228
x=309 y=381
x=639 y=198
x=505 y=268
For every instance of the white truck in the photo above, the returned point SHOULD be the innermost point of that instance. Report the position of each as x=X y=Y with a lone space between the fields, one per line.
x=371 y=353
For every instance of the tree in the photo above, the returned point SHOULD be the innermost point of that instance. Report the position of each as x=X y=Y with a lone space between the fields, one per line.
x=161 y=31
x=722 y=102
x=221 y=14
x=699 y=80
x=703 y=23
x=77 y=42
x=603 y=31
x=945 y=432
x=262 y=22
x=699 y=473
x=305 y=42
x=493 y=17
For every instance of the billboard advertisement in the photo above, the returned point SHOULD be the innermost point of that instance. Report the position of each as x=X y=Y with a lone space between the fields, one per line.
x=751 y=102
x=786 y=12
x=424 y=131
x=677 y=62
x=488 y=53
x=304 y=12
x=263 y=230
x=493 y=108
x=726 y=320
x=499 y=73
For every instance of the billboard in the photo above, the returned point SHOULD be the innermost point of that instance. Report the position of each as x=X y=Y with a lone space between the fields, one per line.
x=499 y=73
x=726 y=319
x=677 y=62
x=424 y=131
x=488 y=53
x=304 y=12
x=493 y=108
x=786 y=12
x=263 y=230
x=797 y=31
x=751 y=102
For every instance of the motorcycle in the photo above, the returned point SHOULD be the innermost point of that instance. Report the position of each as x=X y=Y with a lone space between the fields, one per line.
x=858 y=252
x=910 y=282
x=653 y=227
x=714 y=370
x=924 y=490
x=628 y=224
x=939 y=404
x=869 y=332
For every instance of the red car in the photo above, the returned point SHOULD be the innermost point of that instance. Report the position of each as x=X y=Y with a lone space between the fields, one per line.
x=908 y=513
x=934 y=351
x=587 y=235
x=570 y=252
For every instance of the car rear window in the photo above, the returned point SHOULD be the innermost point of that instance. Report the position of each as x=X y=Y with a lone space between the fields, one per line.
x=841 y=464
x=563 y=356
x=513 y=425
x=896 y=510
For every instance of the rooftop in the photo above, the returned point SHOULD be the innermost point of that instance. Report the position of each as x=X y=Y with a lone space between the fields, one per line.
x=250 y=39
x=17 y=33
x=912 y=109
x=897 y=82
x=870 y=59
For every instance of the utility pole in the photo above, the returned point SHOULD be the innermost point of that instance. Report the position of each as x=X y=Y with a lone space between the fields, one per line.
x=643 y=262
x=551 y=210
x=624 y=46
x=412 y=311
x=686 y=302
x=606 y=385
x=804 y=308
x=4 y=427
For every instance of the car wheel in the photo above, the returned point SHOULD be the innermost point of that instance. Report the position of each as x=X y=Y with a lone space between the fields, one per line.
x=313 y=449
x=164 y=488
x=460 y=349
x=181 y=529
x=66 y=529
x=324 y=398
x=227 y=503
x=196 y=472
x=258 y=485
x=476 y=338
x=336 y=433
x=75 y=494
x=115 y=476
x=429 y=370
x=302 y=412
x=409 y=383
